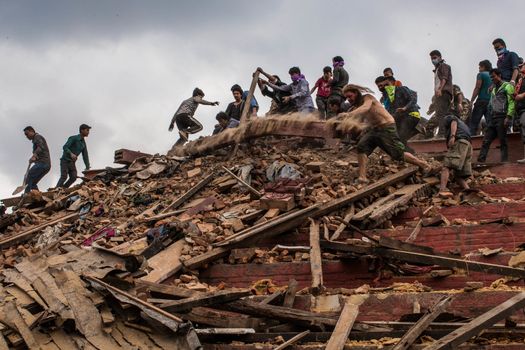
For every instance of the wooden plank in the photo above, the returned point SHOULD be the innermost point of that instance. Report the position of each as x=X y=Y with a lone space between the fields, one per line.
x=428 y=259
x=397 y=244
x=315 y=258
x=252 y=190
x=23 y=236
x=343 y=327
x=289 y=297
x=489 y=318
x=188 y=194
x=165 y=264
x=12 y=315
x=270 y=298
x=348 y=217
x=207 y=299
x=222 y=318
x=419 y=327
x=203 y=259
x=167 y=289
x=293 y=340
x=3 y=343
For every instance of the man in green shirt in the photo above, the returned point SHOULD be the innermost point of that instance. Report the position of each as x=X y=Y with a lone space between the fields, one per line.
x=74 y=146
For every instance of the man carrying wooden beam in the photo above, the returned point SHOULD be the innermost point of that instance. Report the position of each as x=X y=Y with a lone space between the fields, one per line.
x=377 y=128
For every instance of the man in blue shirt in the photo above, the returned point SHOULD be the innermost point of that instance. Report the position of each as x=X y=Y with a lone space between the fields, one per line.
x=481 y=97
x=508 y=61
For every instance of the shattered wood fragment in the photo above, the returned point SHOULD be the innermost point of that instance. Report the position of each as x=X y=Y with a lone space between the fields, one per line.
x=166 y=289
x=293 y=340
x=188 y=194
x=13 y=316
x=343 y=327
x=435 y=220
x=221 y=318
x=413 y=235
x=489 y=318
x=289 y=297
x=207 y=299
x=348 y=217
x=410 y=247
x=419 y=327
x=166 y=263
x=3 y=343
x=315 y=258
x=270 y=298
x=284 y=202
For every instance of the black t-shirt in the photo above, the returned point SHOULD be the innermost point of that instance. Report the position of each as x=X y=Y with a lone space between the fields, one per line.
x=462 y=131
x=234 y=111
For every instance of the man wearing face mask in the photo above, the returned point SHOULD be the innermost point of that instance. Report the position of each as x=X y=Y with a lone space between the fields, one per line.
x=508 y=61
x=443 y=93
x=300 y=91
x=401 y=103
x=339 y=79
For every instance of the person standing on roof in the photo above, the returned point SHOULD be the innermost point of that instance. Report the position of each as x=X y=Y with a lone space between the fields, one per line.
x=277 y=106
x=480 y=97
x=503 y=110
x=323 y=91
x=75 y=145
x=340 y=78
x=508 y=61
x=443 y=93
x=300 y=91
x=40 y=159
x=184 y=117
x=519 y=97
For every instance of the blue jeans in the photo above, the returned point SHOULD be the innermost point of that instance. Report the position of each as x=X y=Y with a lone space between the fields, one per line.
x=36 y=173
x=481 y=108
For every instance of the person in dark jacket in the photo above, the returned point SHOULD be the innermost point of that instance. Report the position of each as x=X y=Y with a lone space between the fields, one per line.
x=508 y=61
x=340 y=78
x=401 y=103
x=503 y=110
x=74 y=146
x=278 y=106
x=443 y=93
x=519 y=97
x=40 y=159
x=225 y=122
x=299 y=89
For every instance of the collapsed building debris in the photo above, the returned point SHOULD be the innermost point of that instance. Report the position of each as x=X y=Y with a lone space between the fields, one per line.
x=276 y=247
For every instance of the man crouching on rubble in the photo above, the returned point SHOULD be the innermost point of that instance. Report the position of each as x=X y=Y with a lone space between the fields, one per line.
x=380 y=130
x=458 y=157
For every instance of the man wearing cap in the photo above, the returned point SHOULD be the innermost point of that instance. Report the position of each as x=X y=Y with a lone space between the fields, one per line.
x=72 y=149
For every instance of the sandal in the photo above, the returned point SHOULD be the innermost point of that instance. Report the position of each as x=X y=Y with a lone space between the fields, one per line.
x=445 y=194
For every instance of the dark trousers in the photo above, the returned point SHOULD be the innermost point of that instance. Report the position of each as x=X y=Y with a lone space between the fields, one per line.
x=322 y=105
x=67 y=169
x=496 y=128
x=442 y=108
x=480 y=109
x=35 y=174
x=406 y=129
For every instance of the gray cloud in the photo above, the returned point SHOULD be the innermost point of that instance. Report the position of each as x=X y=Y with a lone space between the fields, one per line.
x=124 y=66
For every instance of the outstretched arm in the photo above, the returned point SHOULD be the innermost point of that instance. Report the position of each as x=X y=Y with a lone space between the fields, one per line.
x=201 y=101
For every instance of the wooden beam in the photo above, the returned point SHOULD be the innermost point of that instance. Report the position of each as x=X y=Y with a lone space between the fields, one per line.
x=316 y=267
x=23 y=236
x=188 y=194
x=427 y=259
x=348 y=217
x=207 y=299
x=167 y=289
x=13 y=316
x=252 y=190
x=419 y=327
x=289 y=297
x=292 y=340
x=489 y=318
x=343 y=327
x=272 y=297
x=166 y=263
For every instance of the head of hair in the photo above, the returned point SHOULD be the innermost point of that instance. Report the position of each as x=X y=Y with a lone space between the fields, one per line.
x=388 y=69
x=499 y=41
x=435 y=53
x=29 y=128
x=276 y=77
x=222 y=116
x=332 y=101
x=495 y=71
x=294 y=70
x=337 y=59
x=380 y=79
x=359 y=90
x=237 y=88
x=327 y=69
x=198 y=92
x=486 y=65
x=391 y=79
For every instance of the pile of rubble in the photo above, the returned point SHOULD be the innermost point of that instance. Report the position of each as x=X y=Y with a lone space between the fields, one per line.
x=271 y=247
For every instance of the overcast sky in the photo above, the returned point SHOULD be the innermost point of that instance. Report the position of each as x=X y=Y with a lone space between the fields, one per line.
x=123 y=67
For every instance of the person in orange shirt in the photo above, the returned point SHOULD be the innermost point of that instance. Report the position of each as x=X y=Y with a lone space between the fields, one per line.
x=388 y=72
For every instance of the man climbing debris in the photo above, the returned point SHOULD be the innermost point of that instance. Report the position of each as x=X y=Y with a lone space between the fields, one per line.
x=74 y=146
x=369 y=114
x=40 y=159
x=184 y=119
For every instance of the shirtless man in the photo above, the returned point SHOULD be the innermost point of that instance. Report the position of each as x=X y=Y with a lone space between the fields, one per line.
x=381 y=130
